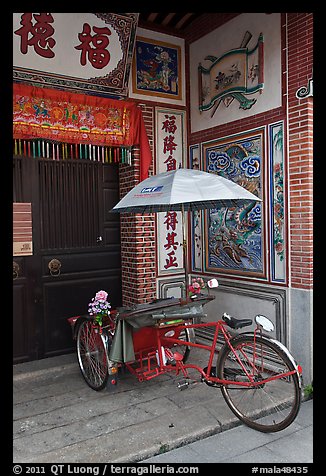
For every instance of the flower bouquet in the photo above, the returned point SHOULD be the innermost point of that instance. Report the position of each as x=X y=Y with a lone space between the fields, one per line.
x=99 y=307
x=197 y=284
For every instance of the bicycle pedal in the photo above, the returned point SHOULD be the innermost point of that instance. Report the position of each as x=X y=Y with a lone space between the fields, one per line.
x=171 y=361
x=183 y=385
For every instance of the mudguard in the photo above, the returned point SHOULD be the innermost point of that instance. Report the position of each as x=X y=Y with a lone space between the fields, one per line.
x=75 y=322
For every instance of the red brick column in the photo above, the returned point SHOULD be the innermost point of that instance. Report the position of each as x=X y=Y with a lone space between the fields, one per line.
x=138 y=253
x=300 y=134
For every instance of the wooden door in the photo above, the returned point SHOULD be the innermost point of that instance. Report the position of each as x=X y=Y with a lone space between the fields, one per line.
x=76 y=250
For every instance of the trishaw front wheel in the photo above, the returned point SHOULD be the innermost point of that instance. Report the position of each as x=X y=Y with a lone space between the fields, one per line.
x=92 y=355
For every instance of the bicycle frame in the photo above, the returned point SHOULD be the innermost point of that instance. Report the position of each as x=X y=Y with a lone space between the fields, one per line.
x=220 y=326
x=151 y=361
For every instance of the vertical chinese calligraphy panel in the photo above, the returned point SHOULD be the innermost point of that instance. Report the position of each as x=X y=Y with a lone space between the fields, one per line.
x=170 y=155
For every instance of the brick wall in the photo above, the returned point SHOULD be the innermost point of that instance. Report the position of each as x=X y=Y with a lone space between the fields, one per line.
x=138 y=255
x=300 y=142
x=236 y=127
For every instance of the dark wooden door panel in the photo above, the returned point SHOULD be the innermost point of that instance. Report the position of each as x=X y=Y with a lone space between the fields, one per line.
x=71 y=224
x=20 y=330
x=70 y=298
x=77 y=264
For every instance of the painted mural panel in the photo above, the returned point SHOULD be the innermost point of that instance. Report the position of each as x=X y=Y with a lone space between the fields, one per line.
x=196 y=216
x=235 y=75
x=235 y=70
x=277 y=213
x=234 y=237
x=158 y=68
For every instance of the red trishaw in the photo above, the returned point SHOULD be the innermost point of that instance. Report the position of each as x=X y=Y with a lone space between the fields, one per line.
x=257 y=375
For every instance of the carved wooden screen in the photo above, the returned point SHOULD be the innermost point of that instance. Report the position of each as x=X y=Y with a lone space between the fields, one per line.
x=69 y=204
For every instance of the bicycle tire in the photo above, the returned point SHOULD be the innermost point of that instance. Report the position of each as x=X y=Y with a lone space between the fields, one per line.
x=272 y=406
x=92 y=356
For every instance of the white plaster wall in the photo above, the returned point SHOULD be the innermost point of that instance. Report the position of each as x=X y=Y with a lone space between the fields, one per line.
x=301 y=330
x=225 y=38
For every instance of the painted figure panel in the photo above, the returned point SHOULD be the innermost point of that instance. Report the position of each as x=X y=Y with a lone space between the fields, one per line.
x=157 y=68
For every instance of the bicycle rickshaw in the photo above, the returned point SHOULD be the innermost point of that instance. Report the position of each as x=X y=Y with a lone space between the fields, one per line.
x=258 y=377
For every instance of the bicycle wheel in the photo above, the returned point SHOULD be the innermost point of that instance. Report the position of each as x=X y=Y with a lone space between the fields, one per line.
x=271 y=406
x=92 y=356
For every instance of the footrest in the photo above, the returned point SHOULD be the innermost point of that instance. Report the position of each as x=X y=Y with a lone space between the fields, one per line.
x=146 y=374
x=177 y=356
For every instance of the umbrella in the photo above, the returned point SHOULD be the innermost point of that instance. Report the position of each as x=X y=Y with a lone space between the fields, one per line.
x=183 y=190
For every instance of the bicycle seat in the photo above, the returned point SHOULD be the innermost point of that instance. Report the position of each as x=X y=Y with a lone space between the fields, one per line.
x=236 y=323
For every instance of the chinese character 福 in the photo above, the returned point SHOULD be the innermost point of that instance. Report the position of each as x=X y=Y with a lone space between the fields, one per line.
x=97 y=55
x=169 y=124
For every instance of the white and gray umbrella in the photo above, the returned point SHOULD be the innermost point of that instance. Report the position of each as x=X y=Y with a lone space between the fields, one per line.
x=183 y=190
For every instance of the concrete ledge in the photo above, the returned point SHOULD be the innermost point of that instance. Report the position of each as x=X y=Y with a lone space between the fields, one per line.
x=39 y=368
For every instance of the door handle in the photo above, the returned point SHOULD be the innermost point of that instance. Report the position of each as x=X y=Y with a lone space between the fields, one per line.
x=54 y=266
x=16 y=269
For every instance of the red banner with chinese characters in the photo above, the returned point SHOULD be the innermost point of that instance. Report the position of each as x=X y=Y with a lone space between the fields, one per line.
x=42 y=113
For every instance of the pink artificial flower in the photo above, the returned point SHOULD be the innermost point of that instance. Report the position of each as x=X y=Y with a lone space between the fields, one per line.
x=101 y=296
x=194 y=288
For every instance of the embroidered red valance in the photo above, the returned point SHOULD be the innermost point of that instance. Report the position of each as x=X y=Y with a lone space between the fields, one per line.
x=79 y=119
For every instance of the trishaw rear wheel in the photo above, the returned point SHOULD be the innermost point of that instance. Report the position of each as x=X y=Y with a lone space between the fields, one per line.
x=92 y=355
x=270 y=406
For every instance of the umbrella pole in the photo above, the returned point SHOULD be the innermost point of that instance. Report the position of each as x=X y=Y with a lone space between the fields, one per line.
x=184 y=246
